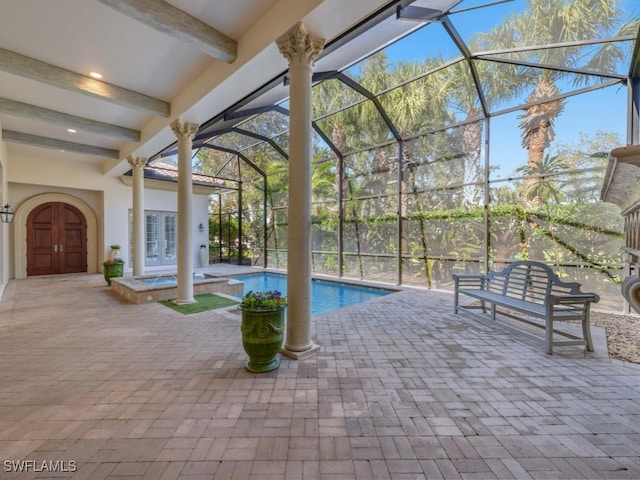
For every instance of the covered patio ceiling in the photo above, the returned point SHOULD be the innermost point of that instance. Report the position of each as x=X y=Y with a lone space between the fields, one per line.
x=159 y=60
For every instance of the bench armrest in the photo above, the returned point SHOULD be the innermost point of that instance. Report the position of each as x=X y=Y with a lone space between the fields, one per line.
x=469 y=280
x=578 y=298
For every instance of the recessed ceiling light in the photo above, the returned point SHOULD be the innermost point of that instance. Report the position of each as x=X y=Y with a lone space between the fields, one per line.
x=95 y=75
x=71 y=130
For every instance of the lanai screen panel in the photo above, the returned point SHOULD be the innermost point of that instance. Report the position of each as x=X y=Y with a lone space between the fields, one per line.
x=370 y=210
x=253 y=217
x=278 y=213
x=233 y=141
x=529 y=23
x=268 y=124
x=405 y=60
x=266 y=158
x=444 y=221
x=325 y=231
x=590 y=58
x=282 y=141
x=445 y=97
x=219 y=164
x=331 y=96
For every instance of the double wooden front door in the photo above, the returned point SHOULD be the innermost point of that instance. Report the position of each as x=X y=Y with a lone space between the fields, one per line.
x=56 y=240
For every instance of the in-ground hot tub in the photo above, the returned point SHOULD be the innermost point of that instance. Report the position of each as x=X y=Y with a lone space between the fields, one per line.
x=154 y=288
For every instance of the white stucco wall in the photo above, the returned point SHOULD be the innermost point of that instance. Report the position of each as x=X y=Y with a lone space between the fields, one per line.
x=5 y=257
x=107 y=197
x=118 y=201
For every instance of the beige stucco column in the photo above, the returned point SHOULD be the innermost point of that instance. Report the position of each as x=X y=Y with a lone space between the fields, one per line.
x=185 y=131
x=137 y=169
x=301 y=50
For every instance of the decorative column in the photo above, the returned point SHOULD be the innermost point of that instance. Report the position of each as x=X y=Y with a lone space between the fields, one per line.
x=301 y=50
x=137 y=168
x=185 y=131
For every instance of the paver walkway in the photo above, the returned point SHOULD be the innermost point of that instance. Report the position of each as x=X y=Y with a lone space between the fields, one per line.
x=402 y=389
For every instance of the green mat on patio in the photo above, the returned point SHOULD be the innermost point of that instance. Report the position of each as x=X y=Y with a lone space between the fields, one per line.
x=205 y=301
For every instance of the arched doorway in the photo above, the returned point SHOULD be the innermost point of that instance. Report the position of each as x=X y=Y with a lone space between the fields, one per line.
x=20 y=229
x=56 y=240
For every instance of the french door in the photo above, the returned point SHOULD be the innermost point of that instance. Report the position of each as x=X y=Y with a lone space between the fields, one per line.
x=161 y=238
x=56 y=240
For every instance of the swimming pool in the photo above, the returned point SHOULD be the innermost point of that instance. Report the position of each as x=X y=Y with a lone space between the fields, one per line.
x=325 y=296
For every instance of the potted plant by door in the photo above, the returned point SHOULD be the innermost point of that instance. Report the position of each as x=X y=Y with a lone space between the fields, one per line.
x=203 y=255
x=113 y=267
x=115 y=253
x=262 y=329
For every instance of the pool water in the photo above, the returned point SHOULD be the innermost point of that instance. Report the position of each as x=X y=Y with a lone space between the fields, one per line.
x=166 y=280
x=325 y=296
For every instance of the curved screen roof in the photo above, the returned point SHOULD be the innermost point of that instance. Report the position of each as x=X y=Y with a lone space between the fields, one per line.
x=463 y=60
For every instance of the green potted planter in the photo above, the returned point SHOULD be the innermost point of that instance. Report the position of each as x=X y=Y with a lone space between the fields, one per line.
x=112 y=268
x=262 y=329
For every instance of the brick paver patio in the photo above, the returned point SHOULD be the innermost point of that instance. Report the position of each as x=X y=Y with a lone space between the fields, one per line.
x=402 y=389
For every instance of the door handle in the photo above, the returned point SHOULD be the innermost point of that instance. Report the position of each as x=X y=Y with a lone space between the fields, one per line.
x=55 y=248
x=61 y=248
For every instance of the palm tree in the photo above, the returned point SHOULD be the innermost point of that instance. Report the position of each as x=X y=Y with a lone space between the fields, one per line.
x=537 y=129
x=549 y=22
x=542 y=184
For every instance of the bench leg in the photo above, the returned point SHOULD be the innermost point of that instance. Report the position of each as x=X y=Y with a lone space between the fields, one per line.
x=455 y=302
x=548 y=335
x=586 y=333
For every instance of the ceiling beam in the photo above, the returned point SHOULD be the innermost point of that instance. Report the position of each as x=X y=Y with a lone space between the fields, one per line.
x=166 y=18
x=55 y=144
x=27 y=67
x=25 y=110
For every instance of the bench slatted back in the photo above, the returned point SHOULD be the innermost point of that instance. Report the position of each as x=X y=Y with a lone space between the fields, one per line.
x=531 y=281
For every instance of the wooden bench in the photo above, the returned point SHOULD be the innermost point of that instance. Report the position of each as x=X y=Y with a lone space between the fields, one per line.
x=533 y=289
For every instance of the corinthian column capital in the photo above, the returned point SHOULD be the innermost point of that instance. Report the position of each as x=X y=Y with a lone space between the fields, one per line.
x=137 y=162
x=184 y=129
x=300 y=47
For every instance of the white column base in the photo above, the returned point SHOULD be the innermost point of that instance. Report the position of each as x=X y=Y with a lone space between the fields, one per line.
x=300 y=355
x=185 y=302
